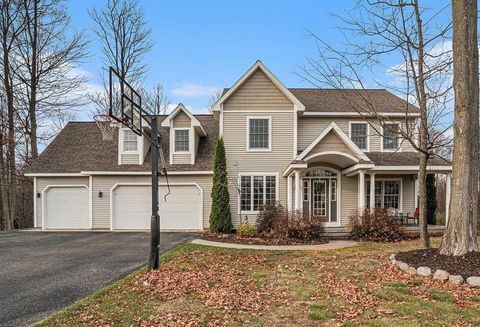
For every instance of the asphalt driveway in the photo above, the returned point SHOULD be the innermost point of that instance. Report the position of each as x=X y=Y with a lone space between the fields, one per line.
x=42 y=272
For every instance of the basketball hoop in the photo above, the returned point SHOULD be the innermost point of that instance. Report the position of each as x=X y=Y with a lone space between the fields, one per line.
x=107 y=125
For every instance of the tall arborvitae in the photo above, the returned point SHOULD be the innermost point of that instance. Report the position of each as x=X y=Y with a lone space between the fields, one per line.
x=220 y=217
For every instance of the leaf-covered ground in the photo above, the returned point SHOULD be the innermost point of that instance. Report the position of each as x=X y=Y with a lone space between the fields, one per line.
x=204 y=286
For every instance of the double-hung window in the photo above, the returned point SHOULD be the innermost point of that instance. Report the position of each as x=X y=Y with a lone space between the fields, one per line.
x=257 y=190
x=130 y=141
x=359 y=134
x=259 y=133
x=181 y=140
x=387 y=194
x=391 y=136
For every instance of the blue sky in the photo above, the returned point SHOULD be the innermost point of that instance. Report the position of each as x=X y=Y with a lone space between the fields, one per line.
x=202 y=46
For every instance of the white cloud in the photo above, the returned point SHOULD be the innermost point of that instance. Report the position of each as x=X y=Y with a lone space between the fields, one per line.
x=192 y=90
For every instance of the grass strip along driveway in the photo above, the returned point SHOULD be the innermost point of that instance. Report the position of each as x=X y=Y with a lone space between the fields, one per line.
x=206 y=286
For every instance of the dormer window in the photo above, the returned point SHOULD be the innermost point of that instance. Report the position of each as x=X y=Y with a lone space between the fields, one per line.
x=259 y=133
x=182 y=140
x=130 y=141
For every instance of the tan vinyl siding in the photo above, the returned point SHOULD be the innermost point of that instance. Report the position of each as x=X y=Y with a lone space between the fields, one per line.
x=181 y=158
x=241 y=161
x=101 y=206
x=310 y=127
x=257 y=93
x=129 y=158
x=331 y=142
x=409 y=195
x=181 y=120
x=349 y=201
x=43 y=182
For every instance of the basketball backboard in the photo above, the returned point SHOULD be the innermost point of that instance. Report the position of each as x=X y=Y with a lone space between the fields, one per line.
x=125 y=102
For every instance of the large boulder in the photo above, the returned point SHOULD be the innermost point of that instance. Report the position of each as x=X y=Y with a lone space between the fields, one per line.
x=424 y=271
x=455 y=279
x=473 y=281
x=441 y=275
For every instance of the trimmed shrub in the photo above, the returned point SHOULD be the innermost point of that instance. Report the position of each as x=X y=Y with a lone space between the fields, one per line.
x=247 y=230
x=305 y=228
x=220 y=216
x=269 y=217
x=376 y=226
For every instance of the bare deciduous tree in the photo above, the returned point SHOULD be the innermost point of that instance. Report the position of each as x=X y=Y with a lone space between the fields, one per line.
x=155 y=100
x=125 y=38
x=46 y=53
x=461 y=234
x=376 y=31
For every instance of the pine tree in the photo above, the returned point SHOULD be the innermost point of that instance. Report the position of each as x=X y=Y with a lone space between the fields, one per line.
x=431 y=199
x=220 y=216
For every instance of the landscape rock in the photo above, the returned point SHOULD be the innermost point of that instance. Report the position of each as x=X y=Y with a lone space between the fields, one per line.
x=394 y=262
x=455 y=279
x=402 y=265
x=411 y=270
x=441 y=275
x=424 y=271
x=392 y=257
x=473 y=281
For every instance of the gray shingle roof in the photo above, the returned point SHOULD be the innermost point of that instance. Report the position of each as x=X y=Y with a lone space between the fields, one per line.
x=403 y=159
x=79 y=147
x=350 y=100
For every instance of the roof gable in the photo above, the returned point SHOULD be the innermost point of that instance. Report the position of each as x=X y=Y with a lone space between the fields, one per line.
x=168 y=122
x=259 y=66
x=328 y=137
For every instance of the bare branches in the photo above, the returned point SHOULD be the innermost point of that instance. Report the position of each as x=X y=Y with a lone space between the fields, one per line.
x=155 y=100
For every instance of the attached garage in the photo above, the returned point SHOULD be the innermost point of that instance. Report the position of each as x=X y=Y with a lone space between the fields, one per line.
x=66 y=207
x=131 y=207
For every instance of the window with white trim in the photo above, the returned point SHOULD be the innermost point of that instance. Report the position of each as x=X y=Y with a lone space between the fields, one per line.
x=391 y=136
x=259 y=133
x=359 y=134
x=387 y=194
x=182 y=140
x=257 y=190
x=130 y=141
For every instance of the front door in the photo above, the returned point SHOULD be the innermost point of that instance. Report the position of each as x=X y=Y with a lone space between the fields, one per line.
x=320 y=198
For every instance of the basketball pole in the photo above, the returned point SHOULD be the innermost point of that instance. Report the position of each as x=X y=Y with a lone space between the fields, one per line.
x=154 y=261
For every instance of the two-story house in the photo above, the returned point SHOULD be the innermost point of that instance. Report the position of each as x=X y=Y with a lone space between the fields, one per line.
x=306 y=148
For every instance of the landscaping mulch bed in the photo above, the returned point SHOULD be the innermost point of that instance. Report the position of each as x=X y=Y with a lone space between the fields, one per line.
x=263 y=240
x=467 y=265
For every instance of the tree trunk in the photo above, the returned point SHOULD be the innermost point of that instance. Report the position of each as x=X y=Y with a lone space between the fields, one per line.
x=33 y=82
x=461 y=234
x=422 y=201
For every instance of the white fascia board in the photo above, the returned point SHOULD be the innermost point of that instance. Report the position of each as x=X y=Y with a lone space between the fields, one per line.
x=357 y=167
x=297 y=105
x=145 y=173
x=411 y=168
x=348 y=142
x=291 y=167
x=53 y=174
x=356 y=114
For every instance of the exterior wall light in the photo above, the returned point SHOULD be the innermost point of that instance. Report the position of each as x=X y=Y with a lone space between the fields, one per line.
x=100 y=194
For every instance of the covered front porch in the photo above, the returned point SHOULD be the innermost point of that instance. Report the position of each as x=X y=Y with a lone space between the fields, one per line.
x=333 y=186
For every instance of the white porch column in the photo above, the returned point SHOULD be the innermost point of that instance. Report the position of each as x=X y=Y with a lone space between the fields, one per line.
x=372 y=191
x=361 y=190
x=289 y=192
x=448 y=193
x=298 y=190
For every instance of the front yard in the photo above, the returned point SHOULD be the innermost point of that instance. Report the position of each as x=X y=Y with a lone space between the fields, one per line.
x=204 y=286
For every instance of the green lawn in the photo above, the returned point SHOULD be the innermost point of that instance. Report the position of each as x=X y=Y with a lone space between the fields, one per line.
x=204 y=286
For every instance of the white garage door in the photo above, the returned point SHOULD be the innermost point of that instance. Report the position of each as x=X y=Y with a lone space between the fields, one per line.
x=132 y=207
x=67 y=208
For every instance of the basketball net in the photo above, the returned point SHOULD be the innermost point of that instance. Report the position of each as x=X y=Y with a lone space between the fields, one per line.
x=107 y=126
